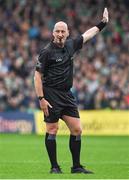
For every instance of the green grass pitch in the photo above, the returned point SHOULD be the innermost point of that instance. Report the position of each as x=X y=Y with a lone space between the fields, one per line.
x=25 y=157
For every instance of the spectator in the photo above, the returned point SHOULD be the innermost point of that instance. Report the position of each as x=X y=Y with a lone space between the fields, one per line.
x=101 y=74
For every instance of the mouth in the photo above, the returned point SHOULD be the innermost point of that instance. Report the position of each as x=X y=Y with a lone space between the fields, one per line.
x=60 y=40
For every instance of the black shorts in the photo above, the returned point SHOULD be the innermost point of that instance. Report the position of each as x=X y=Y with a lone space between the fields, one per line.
x=63 y=103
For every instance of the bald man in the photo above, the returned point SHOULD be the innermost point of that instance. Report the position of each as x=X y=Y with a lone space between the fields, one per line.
x=53 y=81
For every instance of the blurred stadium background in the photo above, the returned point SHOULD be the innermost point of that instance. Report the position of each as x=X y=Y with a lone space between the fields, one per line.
x=101 y=69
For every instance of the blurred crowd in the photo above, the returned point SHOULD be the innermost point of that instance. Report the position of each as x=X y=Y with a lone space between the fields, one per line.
x=101 y=68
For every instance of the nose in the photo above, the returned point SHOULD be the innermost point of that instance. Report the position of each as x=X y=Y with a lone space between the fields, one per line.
x=60 y=34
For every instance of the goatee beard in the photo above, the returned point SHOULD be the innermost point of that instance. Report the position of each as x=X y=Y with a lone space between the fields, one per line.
x=60 y=43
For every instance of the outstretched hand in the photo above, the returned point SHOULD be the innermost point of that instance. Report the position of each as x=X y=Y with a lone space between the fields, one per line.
x=105 y=16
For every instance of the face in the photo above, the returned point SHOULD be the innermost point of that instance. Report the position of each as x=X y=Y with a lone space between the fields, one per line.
x=60 y=33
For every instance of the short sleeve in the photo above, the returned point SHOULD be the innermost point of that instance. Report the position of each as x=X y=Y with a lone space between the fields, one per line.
x=42 y=61
x=77 y=43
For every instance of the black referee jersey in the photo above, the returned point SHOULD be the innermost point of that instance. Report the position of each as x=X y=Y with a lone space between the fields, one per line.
x=56 y=64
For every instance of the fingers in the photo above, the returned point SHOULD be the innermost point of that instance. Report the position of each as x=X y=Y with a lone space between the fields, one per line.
x=46 y=112
x=45 y=109
x=105 y=14
x=49 y=105
x=105 y=9
x=44 y=104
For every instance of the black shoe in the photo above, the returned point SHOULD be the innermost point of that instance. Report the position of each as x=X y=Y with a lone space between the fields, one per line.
x=55 y=170
x=80 y=169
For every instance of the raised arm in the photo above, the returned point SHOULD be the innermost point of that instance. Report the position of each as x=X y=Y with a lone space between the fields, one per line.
x=96 y=29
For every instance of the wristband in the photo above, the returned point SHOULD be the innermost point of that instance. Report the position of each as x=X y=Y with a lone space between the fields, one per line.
x=101 y=25
x=40 y=97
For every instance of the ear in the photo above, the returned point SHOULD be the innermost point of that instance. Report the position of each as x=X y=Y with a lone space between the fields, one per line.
x=67 y=33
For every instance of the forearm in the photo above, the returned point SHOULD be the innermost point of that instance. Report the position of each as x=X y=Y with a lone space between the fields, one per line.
x=90 y=33
x=96 y=29
x=38 y=84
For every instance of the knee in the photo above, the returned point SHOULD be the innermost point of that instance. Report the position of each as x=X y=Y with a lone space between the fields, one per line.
x=52 y=129
x=76 y=131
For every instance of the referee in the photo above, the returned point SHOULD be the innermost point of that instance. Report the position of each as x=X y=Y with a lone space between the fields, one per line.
x=53 y=80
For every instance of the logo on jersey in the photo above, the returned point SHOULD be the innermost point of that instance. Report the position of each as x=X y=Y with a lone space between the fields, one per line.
x=59 y=60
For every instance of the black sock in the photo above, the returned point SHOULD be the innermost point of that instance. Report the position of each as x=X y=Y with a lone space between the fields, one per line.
x=50 y=142
x=75 y=148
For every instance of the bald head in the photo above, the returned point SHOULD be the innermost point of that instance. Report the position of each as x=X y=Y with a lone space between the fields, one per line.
x=60 y=33
x=61 y=24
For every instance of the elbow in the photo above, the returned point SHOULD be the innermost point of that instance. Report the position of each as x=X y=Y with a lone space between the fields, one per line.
x=34 y=77
x=37 y=76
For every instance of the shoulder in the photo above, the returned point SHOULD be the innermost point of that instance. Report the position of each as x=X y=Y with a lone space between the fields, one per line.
x=45 y=49
x=71 y=41
x=78 y=38
x=75 y=44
